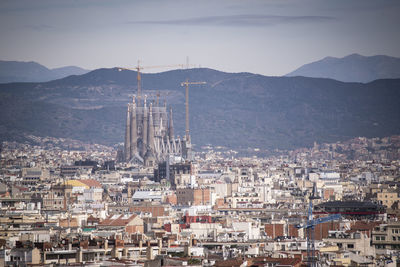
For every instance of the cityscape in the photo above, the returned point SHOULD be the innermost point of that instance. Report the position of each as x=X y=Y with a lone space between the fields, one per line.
x=260 y=150
x=66 y=202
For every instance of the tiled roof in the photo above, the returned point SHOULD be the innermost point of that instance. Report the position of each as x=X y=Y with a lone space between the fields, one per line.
x=279 y=261
x=235 y=262
x=76 y=183
x=118 y=220
x=363 y=226
x=91 y=183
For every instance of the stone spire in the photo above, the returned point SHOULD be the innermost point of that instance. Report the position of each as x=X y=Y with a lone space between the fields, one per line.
x=145 y=128
x=128 y=135
x=149 y=158
x=133 y=130
x=156 y=118
x=150 y=132
x=171 y=126
x=164 y=115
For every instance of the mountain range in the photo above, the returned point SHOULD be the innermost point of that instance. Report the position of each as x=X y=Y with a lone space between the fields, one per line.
x=17 y=71
x=236 y=110
x=352 y=68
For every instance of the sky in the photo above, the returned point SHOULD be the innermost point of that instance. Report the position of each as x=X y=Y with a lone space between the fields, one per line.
x=269 y=37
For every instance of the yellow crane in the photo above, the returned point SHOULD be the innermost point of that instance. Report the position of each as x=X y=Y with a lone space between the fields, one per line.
x=139 y=68
x=187 y=83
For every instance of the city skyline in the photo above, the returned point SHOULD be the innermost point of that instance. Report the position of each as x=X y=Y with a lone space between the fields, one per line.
x=209 y=166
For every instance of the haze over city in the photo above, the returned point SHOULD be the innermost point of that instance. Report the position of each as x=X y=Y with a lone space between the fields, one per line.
x=264 y=37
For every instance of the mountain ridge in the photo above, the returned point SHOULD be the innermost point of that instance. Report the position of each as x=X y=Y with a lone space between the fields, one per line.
x=352 y=68
x=30 y=71
x=232 y=109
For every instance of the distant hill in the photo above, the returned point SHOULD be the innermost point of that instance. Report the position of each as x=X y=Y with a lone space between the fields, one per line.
x=352 y=68
x=17 y=71
x=67 y=71
x=236 y=110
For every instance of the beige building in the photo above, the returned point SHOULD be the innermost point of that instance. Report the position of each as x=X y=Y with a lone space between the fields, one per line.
x=239 y=199
x=388 y=197
x=31 y=176
x=386 y=236
x=356 y=242
x=54 y=202
x=181 y=180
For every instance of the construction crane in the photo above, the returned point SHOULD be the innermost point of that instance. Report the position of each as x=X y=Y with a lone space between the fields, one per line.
x=310 y=227
x=139 y=68
x=187 y=83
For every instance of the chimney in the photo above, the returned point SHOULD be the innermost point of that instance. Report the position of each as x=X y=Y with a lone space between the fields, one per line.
x=159 y=246
x=149 y=251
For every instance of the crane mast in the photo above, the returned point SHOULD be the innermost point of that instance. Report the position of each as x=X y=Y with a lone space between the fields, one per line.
x=139 y=82
x=186 y=84
x=310 y=227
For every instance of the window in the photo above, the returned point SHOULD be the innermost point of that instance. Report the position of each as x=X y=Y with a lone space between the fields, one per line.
x=350 y=245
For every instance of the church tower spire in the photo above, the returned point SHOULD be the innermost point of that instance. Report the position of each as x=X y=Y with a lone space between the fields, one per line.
x=171 y=126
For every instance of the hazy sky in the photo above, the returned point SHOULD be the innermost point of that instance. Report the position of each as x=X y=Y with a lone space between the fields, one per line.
x=267 y=36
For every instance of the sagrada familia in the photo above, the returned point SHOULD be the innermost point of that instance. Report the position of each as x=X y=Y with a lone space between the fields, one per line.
x=149 y=134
